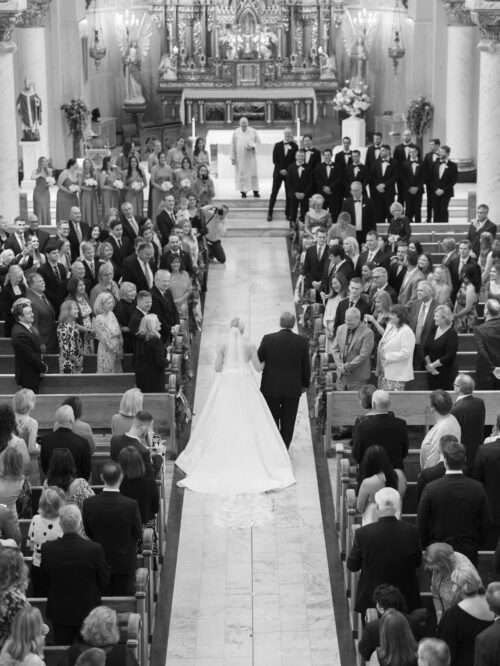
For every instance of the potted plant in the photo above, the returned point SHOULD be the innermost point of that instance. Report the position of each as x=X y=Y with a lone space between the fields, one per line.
x=419 y=117
x=76 y=113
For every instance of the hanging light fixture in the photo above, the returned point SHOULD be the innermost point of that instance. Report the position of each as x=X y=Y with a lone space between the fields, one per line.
x=396 y=50
x=338 y=10
x=97 y=50
x=157 y=11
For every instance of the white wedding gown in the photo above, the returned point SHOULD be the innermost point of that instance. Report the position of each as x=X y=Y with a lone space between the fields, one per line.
x=235 y=447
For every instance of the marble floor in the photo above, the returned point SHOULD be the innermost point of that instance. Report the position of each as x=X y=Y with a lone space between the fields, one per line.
x=258 y=596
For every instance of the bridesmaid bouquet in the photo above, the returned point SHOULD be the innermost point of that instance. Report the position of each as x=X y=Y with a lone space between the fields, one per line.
x=74 y=189
x=90 y=182
x=50 y=181
x=118 y=184
x=166 y=186
x=137 y=186
x=185 y=182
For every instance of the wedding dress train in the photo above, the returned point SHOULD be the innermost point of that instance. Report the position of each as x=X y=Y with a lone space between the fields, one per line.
x=235 y=447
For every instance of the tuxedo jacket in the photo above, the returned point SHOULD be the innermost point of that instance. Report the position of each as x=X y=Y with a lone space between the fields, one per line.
x=362 y=305
x=114 y=521
x=287 y=368
x=165 y=222
x=314 y=267
x=132 y=272
x=28 y=361
x=400 y=155
x=447 y=180
x=487 y=336
x=164 y=308
x=454 y=510
x=430 y=159
x=427 y=475
x=303 y=183
x=359 y=172
x=378 y=563
x=185 y=257
x=455 y=275
x=355 y=355
x=73 y=238
x=42 y=236
x=371 y=156
x=76 y=574
x=340 y=160
x=474 y=234
x=388 y=179
x=280 y=160
x=368 y=213
x=314 y=158
x=45 y=320
x=127 y=227
x=120 y=253
x=55 y=288
x=470 y=413
x=321 y=179
x=411 y=179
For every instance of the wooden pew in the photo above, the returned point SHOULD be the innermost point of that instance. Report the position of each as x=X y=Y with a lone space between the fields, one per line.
x=52 y=361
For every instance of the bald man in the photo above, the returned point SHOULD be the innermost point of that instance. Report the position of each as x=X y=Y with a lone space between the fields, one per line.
x=470 y=413
x=421 y=316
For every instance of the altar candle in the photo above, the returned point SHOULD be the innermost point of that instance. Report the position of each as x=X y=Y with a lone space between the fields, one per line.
x=193 y=132
x=298 y=130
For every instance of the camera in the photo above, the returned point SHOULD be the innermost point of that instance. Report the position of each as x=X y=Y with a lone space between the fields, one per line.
x=220 y=211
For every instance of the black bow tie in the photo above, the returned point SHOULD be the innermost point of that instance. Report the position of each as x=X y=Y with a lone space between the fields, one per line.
x=414 y=161
x=386 y=161
x=443 y=161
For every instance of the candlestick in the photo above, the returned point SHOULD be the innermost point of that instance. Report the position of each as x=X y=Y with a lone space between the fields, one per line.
x=193 y=131
x=298 y=131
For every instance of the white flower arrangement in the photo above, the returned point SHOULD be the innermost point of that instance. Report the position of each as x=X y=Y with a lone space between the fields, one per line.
x=185 y=182
x=250 y=145
x=166 y=186
x=137 y=186
x=354 y=101
x=50 y=181
x=74 y=189
x=118 y=184
x=90 y=182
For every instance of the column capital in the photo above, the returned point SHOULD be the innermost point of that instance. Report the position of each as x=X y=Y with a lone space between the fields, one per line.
x=457 y=13
x=35 y=15
x=9 y=15
x=486 y=14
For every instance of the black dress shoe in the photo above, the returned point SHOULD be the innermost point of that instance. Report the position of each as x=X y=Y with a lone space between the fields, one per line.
x=269 y=218
x=256 y=194
x=243 y=195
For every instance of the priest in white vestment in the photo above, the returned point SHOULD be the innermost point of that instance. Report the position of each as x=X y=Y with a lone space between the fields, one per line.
x=244 y=158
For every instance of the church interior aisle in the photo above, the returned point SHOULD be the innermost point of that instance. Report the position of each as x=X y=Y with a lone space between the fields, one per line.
x=259 y=596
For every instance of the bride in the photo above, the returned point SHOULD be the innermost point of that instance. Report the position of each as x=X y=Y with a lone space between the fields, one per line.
x=235 y=447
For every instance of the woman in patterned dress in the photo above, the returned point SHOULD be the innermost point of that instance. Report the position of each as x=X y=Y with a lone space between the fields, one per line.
x=77 y=294
x=69 y=339
x=109 y=335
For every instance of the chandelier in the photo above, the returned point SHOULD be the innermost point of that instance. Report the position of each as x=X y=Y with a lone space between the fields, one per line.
x=97 y=49
x=396 y=50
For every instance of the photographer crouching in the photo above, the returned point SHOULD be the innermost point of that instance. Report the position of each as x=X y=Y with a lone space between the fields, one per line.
x=215 y=222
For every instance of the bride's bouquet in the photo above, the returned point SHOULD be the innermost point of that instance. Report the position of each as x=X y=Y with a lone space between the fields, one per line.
x=74 y=189
x=90 y=182
x=185 y=182
x=137 y=186
x=166 y=186
x=118 y=184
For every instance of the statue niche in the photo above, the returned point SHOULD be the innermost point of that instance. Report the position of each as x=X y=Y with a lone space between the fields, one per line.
x=248 y=38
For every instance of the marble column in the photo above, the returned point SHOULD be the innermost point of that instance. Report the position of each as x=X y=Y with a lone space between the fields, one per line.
x=32 y=45
x=460 y=100
x=9 y=190
x=488 y=139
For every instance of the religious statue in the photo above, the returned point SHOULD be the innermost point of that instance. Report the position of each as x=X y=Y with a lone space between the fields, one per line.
x=29 y=108
x=267 y=44
x=133 y=41
x=327 y=66
x=167 y=68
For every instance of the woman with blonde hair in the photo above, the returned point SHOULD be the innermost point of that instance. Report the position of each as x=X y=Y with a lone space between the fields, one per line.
x=88 y=193
x=342 y=228
x=26 y=642
x=14 y=287
x=395 y=352
x=69 y=340
x=44 y=527
x=441 y=281
x=316 y=216
x=440 y=351
x=105 y=283
x=132 y=401
x=23 y=403
x=13 y=586
x=100 y=629
x=41 y=192
x=109 y=335
x=149 y=357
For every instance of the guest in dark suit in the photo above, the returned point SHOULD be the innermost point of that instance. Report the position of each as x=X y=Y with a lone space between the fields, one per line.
x=429 y=162
x=412 y=183
x=381 y=428
x=397 y=267
x=63 y=437
x=163 y=305
x=338 y=265
x=142 y=308
x=436 y=471
x=373 y=150
x=34 y=230
x=122 y=247
x=374 y=256
x=328 y=183
x=76 y=574
x=383 y=184
x=354 y=299
x=300 y=182
x=131 y=223
x=402 y=153
x=470 y=413
x=16 y=240
x=43 y=312
x=440 y=351
x=312 y=156
x=283 y=156
x=445 y=176
x=55 y=276
x=457 y=263
x=421 y=320
x=139 y=435
x=138 y=268
x=387 y=551
x=361 y=210
x=114 y=521
x=315 y=262
x=476 y=228
x=487 y=336
x=454 y=509
x=174 y=250
x=286 y=374
x=28 y=363
x=486 y=469
x=78 y=231
x=165 y=220
x=149 y=356
x=487 y=646
x=138 y=485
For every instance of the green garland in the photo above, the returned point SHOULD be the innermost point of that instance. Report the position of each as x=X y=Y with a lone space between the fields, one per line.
x=76 y=113
x=419 y=115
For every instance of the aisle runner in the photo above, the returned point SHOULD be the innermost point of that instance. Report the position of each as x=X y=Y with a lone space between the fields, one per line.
x=258 y=596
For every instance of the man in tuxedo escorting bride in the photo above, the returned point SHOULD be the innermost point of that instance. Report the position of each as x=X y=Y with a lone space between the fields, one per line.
x=285 y=375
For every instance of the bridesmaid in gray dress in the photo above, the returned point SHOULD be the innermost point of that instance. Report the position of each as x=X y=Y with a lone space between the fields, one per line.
x=110 y=195
x=41 y=193
x=68 y=189
x=135 y=182
x=88 y=195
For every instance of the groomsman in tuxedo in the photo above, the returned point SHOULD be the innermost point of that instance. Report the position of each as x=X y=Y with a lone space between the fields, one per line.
x=400 y=156
x=476 y=228
x=300 y=184
x=328 y=184
x=78 y=231
x=445 y=178
x=361 y=210
x=122 y=247
x=344 y=157
x=356 y=171
x=283 y=156
x=315 y=262
x=131 y=224
x=373 y=150
x=413 y=186
x=429 y=162
x=28 y=362
x=382 y=184
x=165 y=220
x=312 y=156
